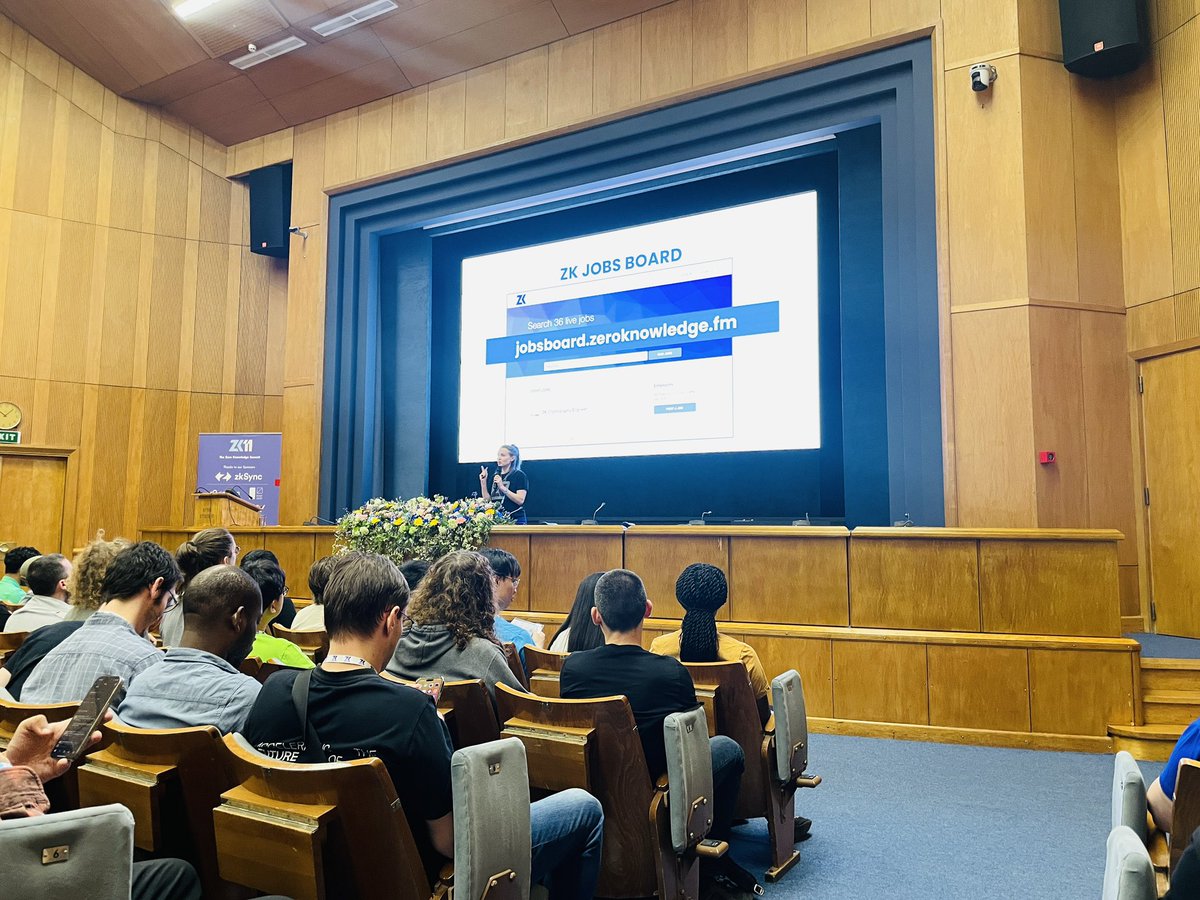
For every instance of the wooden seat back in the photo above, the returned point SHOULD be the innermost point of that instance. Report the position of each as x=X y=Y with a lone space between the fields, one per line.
x=11 y=641
x=315 y=831
x=514 y=663
x=594 y=745
x=171 y=780
x=544 y=668
x=732 y=710
x=314 y=643
x=63 y=792
x=473 y=719
x=1186 y=817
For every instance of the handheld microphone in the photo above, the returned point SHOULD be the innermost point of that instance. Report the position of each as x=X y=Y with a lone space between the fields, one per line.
x=592 y=520
x=700 y=521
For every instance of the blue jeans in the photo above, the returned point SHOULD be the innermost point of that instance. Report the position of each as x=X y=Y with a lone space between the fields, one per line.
x=568 y=831
x=728 y=763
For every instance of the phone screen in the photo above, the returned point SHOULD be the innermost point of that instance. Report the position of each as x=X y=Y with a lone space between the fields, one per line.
x=432 y=687
x=87 y=718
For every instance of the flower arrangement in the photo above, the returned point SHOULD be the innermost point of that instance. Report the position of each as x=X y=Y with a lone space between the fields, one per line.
x=420 y=528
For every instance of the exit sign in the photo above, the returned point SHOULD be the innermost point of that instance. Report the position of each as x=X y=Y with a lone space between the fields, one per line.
x=10 y=437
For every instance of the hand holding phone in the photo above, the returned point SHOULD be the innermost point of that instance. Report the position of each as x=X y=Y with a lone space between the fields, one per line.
x=87 y=718
x=432 y=687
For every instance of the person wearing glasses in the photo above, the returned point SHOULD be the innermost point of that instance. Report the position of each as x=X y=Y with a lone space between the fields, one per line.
x=506 y=578
x=207 y=548
x=198 y=682
x=139 y=587
x=272 y=583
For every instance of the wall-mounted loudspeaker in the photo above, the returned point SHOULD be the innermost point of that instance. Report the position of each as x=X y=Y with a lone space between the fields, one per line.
x=270 y=209
x=1102 y=37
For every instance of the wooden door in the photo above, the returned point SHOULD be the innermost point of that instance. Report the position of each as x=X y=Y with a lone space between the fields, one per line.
x=1171 y=419
x=31 y=501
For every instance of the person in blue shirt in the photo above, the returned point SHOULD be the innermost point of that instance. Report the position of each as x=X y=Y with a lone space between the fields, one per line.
x=506 y=578
x=1161 y=795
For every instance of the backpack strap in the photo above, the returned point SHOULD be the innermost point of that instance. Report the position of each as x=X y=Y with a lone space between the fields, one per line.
x=314 y=750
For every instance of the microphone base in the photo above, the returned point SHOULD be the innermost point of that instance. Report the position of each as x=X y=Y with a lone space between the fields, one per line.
x=588 y=522
x=697 y=522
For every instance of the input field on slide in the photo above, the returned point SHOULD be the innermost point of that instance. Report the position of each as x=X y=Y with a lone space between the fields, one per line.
x=588 y=362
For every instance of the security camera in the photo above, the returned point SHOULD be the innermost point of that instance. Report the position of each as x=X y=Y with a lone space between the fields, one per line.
x=253 y=48
x=983 y=75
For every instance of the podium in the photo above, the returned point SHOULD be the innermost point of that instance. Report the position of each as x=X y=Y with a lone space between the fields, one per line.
x=224 y=510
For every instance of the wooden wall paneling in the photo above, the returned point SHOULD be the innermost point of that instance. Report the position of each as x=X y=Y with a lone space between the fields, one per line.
x=526 y=93
x=776 y=32
x=58 y=158
x=183 y=470
x=888 y=16
x=12 y=80
x=41 y=62
x=787 y=580
x=410 y=129
x=993 y=423
x=50 y=271
x=104 y=178
x=1170 y=15
x=1097 y=193
x=158 y=440
x=1180 y=61
x=276 y=341
x=1039 y=29
x=149 y=174
x=32 y=490
x=128 y=186
x=247 y=413
x=63 y=415
x=880 y=682
x=921 y=584
x=232 y=303
x=301 y=453
x=1043 y=587
x=518 y=546
x=979 y=687
x=985 y=135
x=484 y=105
x=559 y=562
x=617 y=65
x=570 y=76
x=322 y=546
x=35 y=147
x=1131 y=595
x=719 y=37
x=166 y=308
x=836 y=23
x=1151 y=325
x=277 y=146
x=134 y=459
x=187 y=315
x=667 y=49
x=208 y=356
x=247 y=156
x=1049 y=179
x=26 y=247
x=1058 y=417
x=974 y=33
x=296 y=553
x=1080 y=691
x=658 y=560
x=195 y=190
x=110 y=452
x=65 y=357
x=374 y=138
x=341 y=147
x=447 y=133
x=95 y=288
x=82 y=177
x=1187 y=315
x=170 y=194
x=204 y=417
x=252 y=324
x=811 y=657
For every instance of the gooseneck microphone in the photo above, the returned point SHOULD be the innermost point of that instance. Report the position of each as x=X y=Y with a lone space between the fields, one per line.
x=700 y=521
x=592 y=520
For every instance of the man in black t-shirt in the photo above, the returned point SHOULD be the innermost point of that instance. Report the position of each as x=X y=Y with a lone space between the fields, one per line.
x=354 y=713
x=655 y=686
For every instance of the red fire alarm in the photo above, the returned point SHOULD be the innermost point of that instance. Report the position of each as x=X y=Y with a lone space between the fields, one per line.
x=1046 y=457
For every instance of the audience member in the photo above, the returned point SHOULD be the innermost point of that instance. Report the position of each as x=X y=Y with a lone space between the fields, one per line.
x=578 y=631
x=47 y=604
x=506 y=578
x=86 y=586
x=453 y=635
x=207 y=548
x=287 y=613
x=352 y=712
x=1161 y=794
x=29 y=751
x=272 y=583
x=198 y=682
x=23 y=576
x=414 y=572
x=312 y=617
x=11 y=590
x=656 y=687
x=1185 y=874
x=138 y=588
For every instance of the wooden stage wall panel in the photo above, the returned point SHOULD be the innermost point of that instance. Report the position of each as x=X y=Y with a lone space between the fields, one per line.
x=781 y=579
x=979 y=687
x=923 y=584
x=659 y=558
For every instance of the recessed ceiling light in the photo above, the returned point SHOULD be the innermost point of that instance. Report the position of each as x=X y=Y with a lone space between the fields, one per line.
x=287 y=45
x=354 y=17
x=190 y=7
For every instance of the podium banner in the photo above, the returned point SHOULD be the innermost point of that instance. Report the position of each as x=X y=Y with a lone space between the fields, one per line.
x=247 y=465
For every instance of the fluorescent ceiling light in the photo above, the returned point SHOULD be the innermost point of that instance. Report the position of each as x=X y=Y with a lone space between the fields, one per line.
x=261 y=55
x=189 y=8
x=350 y=19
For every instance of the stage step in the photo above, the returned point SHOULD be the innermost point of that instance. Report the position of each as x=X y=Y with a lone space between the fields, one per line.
x=1149 y=742
x=1170 y=675
x=1170 y=707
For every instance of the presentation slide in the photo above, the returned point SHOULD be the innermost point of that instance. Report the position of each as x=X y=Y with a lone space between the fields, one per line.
x=688 y=335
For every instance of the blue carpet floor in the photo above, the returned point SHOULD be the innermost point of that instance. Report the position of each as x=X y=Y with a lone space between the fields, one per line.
x=1166 y=646
x=901 y=819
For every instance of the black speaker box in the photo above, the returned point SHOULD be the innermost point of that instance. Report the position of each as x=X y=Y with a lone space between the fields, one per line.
x=1102 y=38
x=270 y=209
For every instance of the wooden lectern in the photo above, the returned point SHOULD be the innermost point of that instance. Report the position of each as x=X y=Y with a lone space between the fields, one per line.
x=222 y=510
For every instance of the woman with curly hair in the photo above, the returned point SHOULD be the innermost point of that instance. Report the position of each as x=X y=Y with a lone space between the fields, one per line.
x=87 y=575
x=451 y=632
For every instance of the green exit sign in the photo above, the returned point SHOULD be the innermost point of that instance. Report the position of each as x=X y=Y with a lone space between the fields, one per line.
x=10 y=437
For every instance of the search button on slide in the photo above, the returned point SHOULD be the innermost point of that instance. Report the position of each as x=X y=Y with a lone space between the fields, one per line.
x=665 y=408
x=667 y=353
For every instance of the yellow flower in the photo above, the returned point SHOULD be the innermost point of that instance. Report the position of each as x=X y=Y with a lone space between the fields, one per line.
x=418 y=521
x=490 y=512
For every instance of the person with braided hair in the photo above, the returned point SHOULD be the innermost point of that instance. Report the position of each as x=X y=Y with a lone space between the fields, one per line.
x=701 y=590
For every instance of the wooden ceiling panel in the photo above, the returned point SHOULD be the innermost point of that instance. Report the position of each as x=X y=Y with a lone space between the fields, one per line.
x=583 y=15
x=317 y=62
x=144 y=35
x=242 y=124
x=54 y=25
x=491 y=41
x=436 y=19
x=210 y=103
x=335 y=8
x=191 y=80
x=371 y=82
x=298 y=10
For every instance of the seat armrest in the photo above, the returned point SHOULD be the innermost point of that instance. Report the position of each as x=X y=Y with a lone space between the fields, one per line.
x=661 y=784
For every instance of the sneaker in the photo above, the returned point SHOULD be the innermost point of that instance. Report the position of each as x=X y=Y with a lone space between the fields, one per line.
x=802 y=828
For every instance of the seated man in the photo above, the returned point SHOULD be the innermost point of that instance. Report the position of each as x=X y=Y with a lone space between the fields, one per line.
x=48 y=604
x=139 y=587
x=506 y=579
x=1161 y=794
x=312 y=617
x=353 y=712
x=272 y=583
x=11 y=590
x=656 y=686
x=198 y=682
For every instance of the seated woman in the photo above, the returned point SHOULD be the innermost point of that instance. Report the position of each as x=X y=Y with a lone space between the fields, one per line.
x=452 y=632
x=578 y=631
x=207 y=548
x=701 y=590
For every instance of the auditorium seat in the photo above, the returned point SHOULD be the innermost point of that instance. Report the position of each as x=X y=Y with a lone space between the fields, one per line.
x=594 y=745
x=1186 y=817
x=315 y=644
x=689 y=803
x=1129 y=809
x=468 y=710
x=514 y=663
x=544 y=668
x=63 y=792
x=171 y=780
x=1128 y=874
x=90 y=850
x=316 y=831
x=10 y=642
x=786 y=757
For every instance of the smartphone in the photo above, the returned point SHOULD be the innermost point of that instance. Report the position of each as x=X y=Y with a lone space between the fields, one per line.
x=87 y=718
x=432 y=687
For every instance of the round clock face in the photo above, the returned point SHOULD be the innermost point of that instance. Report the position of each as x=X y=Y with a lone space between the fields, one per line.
x=10 y=415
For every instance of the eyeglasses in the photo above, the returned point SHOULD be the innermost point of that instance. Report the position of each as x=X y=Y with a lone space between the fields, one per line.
x=516 y=583
x=172 y=602
x=406 y=621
